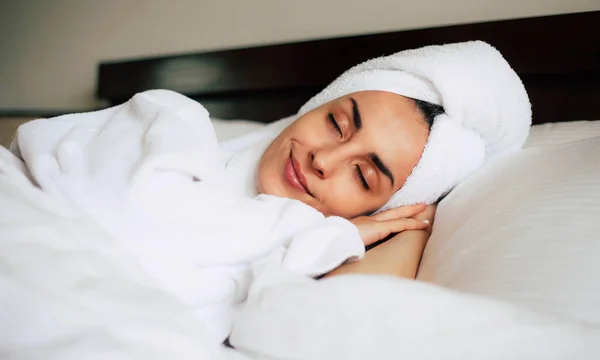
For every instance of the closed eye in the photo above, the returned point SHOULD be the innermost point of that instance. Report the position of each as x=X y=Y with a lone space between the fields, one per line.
x=334 y=123
x=361 y=178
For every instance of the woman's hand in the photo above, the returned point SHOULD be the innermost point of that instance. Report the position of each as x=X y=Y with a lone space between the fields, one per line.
x=377 y=227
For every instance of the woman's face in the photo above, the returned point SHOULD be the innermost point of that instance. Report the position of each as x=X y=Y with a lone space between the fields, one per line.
x=346 y=157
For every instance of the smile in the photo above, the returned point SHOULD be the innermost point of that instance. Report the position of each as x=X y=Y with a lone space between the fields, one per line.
x=293 y=174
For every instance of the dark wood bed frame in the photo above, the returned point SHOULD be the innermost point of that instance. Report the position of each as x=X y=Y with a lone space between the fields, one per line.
x=558 y=58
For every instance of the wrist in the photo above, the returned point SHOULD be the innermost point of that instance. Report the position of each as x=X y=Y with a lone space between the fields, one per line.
x=412 y=236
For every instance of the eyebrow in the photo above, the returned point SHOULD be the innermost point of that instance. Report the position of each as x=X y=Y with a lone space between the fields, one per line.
x=374 y=158
x=381 y=166
x=356 y=114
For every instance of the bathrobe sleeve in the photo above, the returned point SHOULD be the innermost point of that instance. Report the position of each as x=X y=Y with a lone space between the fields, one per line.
x=314 y=244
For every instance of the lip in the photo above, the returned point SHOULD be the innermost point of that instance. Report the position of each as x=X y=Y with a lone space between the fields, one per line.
x=294 y=175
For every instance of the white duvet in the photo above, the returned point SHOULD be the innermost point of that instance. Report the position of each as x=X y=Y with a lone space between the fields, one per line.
x=69 y=291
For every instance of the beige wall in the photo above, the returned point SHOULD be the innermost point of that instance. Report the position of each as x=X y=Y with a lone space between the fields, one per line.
x=49 y=49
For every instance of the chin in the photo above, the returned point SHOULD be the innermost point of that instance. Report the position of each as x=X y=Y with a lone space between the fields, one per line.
x=279 y=191
x=272 y=187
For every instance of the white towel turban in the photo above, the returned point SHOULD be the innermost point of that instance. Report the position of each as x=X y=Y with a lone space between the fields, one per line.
x=487 y=110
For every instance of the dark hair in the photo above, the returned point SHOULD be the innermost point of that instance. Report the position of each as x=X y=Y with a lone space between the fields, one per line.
x=429 y=110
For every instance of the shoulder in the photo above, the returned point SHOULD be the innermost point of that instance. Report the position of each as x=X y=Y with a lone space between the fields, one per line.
x=172 y=100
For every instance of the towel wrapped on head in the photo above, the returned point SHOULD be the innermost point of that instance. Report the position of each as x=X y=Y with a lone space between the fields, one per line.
x=487 y=110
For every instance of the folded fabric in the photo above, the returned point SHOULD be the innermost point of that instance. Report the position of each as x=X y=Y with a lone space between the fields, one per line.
x=487 y=110
x=386 y=317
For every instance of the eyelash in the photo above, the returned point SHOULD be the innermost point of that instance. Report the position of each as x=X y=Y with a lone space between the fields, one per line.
x=361 y=178
x=334 y=124
x=359 y=173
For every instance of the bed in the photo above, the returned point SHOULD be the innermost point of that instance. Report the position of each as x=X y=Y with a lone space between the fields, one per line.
x=510 y=270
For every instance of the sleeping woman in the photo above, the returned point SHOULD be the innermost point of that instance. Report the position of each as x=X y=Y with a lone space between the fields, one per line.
x=361 y=161
x=346 y=162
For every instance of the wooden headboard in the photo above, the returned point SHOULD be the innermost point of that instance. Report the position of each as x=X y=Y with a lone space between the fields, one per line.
x=558 y=58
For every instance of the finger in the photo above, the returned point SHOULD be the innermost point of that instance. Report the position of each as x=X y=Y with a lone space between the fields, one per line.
x=400 y=212
x=427 y=214
x=398 y=225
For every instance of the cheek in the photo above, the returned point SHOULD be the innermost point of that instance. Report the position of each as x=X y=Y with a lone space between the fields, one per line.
x=270 y=169
x=311 y=131
x=342 y=198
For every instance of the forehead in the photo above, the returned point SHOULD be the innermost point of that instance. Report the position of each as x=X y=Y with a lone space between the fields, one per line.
x=393 y=128
x=383 y=105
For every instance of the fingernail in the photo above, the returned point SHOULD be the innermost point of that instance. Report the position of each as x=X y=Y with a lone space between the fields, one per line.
x=426 y=221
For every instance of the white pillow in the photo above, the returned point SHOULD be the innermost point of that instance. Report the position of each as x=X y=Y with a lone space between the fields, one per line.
x=525 y=229
x=561 y=133
x=231 y=129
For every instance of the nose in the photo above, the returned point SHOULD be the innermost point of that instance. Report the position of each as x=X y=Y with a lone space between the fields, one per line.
x=326 y=160
x=317 y=165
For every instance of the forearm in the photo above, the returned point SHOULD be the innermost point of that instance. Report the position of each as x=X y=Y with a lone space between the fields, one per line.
x=399 y=256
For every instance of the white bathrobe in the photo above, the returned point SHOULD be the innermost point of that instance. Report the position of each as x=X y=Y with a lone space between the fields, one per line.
x=152 y=173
